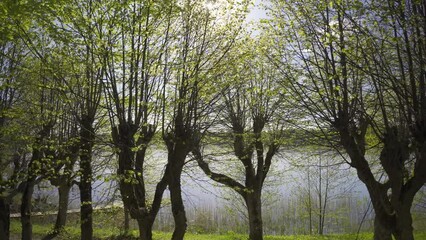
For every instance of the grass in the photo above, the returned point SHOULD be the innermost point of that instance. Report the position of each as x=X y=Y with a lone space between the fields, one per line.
x=73 y=232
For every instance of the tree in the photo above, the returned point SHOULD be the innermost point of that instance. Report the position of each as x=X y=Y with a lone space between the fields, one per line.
x=361 y=81
x=76 y=29
x=62 y=151
x=132 y=52
x=45 y=111
x=202 y=43
x=253 y=113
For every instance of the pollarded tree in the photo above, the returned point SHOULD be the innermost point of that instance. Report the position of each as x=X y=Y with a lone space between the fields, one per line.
x=202 y=42
x=136 y=36
x=358 y=72
x=42 y=97
x=76 y=29
x=78 y=89
x=62 y=151
x=252 y=111
x=41 y=91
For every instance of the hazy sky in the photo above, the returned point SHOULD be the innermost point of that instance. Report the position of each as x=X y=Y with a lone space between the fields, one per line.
x=256 y=12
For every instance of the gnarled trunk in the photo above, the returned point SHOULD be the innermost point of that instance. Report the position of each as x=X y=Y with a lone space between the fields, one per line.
x=393 y=216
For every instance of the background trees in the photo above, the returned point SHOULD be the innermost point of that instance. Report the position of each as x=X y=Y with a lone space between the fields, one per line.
x=325 y=182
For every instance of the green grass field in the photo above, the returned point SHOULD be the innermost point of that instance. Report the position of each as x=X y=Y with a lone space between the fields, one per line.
x=73 y=232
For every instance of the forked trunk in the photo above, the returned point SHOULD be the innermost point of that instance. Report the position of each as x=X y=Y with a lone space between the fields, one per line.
x=393 y=216
x=133 y=194
x=399 y=225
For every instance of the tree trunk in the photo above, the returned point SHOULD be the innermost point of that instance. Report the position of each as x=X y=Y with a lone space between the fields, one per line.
x=393 y=215
x=61 y=217
x=4 y=219
x=381 y=229
x=178 y=207
x=86 y=210
x=320 y=204
x=145 y=228
x=309 y=202
x=404 y=224
x=27 y=227
x=87 y=136
x=254 y=207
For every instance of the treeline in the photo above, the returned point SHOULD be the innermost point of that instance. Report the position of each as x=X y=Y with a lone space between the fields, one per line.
x=81 y=78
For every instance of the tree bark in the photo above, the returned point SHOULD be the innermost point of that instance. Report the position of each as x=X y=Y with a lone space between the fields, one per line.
x=146 y=220
x=87 y=138
x=178 y=208
x=86 y=211
x=381 y=229
x=393 y=216
x=27 y=227
x=404 y=227
x=145 y=228
x=61 y=217
x=254 y=207
x=4 y=219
